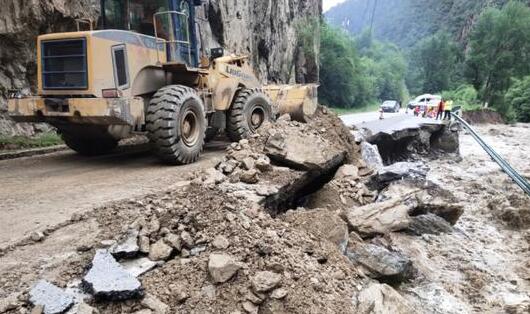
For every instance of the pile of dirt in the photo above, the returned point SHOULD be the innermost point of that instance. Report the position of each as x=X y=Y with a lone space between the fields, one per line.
x=257 y=234
x=483 y=116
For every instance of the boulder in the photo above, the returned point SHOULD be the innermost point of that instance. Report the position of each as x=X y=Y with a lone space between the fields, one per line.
x=127 y=246
x=222 y=267
x=265 y=281
x=429 y=224
x=220 y=242
x=381 y=218
x=307 y=152
x=383 y=264
x=379 y=298
x=447 y=140
x=108 y=280
x=160 y=251
x=52 y=299
x=371 y=156
x=401 y=170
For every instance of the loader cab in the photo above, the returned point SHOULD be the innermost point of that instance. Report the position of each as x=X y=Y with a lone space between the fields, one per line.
x=171 y=22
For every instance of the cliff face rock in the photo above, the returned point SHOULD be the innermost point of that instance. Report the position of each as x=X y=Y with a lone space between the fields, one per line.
x=266 y=30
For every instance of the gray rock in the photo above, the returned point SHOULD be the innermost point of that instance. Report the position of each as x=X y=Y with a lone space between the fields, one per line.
x=108 y=280
x=350 y=172
x=222 y=267
x=402 y=170
x=187 y=240
x=220 y=242
x=429 y=224
x=371 y=155
x=212 y=176
x=383 y=264
x=381 y=218
x=198 y=250
x=153 y=303
x=160 y=251
x=84 y=308
x=250 y=308
x=127 y=246
x=305 y=153
x=265 y=281
x=279 y=293
x=209 y=291
x=249 y=176
x=174 y=241
x=37 y=236
x=447 y=141
x=381 y=299
x=138 y=267
x=248 y=163
x=53 y=299
x=144 y=243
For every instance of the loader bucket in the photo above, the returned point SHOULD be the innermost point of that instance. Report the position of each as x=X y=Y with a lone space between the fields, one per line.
x=299 y=101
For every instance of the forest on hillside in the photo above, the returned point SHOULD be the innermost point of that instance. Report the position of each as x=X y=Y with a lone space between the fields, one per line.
x=474 y=52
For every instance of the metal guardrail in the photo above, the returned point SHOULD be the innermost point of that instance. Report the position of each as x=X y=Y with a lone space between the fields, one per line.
x=506 y=167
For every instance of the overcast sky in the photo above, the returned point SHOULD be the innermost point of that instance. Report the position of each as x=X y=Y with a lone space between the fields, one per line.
x=330 y=3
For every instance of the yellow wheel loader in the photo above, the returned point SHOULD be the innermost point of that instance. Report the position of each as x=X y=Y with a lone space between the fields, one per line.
x=144 y=70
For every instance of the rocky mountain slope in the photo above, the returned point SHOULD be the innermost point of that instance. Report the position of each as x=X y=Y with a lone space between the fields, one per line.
x=406 y=21
x=265 y=30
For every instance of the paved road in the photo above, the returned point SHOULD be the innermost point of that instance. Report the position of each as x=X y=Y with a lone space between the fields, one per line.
x=46 y=190
x=391 y=122
x=360 y=118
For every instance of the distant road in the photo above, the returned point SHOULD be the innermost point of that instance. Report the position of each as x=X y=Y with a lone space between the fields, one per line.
x=359 y=118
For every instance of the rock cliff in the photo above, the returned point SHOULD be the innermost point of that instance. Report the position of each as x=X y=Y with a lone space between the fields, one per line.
x=266 y=30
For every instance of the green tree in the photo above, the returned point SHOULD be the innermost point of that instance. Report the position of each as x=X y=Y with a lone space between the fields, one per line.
x=433 y=64
x=518 y=99
x=499 y=51
x=341 y=75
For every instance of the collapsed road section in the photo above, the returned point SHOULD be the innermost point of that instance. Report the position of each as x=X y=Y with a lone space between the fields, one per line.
x=292 y=220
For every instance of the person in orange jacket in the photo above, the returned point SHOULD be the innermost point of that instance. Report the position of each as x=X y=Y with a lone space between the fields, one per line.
x=441 y=109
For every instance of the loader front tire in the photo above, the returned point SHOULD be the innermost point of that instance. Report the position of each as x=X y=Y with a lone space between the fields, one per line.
x=90 y=146
x=176 y=124
x=250 y=110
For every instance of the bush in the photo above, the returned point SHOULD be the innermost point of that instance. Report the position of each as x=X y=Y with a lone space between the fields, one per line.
x=518 y=99
x=465 y=96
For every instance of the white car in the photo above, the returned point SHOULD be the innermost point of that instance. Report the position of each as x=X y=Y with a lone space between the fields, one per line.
x=425 y=101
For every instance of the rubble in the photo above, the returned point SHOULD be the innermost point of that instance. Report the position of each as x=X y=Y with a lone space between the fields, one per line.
x=127 y=247
x=265 y=281
x=399 y=171
x=154 y=304
x=52 y=299
x=160 y=251
x=222 y=267
x=429 y=224
x=382 y=299
x=108 y=280
x=382 y=264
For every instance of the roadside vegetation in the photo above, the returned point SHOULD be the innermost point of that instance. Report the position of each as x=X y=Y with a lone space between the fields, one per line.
x=490 y=69
x=21 y=142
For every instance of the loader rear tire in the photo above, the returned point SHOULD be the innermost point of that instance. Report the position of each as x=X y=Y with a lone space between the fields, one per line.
x=176 y=124
x=90 y=146
x=250 y=110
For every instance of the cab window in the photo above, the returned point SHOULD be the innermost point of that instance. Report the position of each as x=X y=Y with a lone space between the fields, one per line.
x=134 y=15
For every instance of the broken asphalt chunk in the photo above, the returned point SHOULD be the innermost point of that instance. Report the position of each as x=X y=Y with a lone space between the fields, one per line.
x=108 y=280
x=52 y=298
